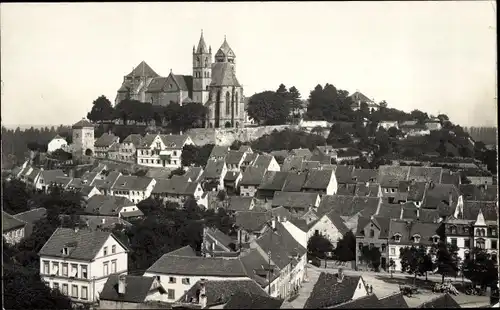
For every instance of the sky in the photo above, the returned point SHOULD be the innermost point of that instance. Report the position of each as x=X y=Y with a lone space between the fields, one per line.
x=438 y=57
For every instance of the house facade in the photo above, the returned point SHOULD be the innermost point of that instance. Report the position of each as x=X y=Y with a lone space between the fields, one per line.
x=80 y=268
x=136 y=189
x=57 y=143
x=162 y=150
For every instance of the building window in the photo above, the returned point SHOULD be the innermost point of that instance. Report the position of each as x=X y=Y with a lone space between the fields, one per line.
x=74 y=291
x=467 y=243
x=55 y=268
x=171 y=280
x=185 y=281
x=113 y=249
x=105 y=250
x=74 y=270
x=397 y=237
x=55 y=286
x=65 y=289
x=45 y=267
x=494 y=244
x=494 y=232
x=480 y=243
x=64 y=269
x=84 y=272
x=106 y=268
x=372 y=233
x=171 y=294
x=113 y=266
x=228 y=103
x=383 y=247
x=393 y=251
x=84 y=295
x=453 y=230
x=454 y=241
x=416 y=238
x=236 y=104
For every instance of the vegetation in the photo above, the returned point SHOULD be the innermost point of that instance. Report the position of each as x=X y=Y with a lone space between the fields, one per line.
x=415 y=261
x=371 y=256
x=346 y=248
x=287 y=140
x=193 y=155
x=268 y=108
x=319 y=246
x=447 y=260
x=480 y=268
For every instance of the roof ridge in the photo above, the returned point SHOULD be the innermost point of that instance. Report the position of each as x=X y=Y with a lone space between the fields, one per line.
x=27 y=211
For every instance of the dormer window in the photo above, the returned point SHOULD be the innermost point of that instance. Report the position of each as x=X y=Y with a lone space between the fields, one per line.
x=354 y=179
x=453 y=229
x=435 y=239
x=397 y=237
x=65 y=251
x=416 y=238
x=372 y=233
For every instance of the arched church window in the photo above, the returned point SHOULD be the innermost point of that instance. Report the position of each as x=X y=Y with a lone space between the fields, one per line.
x=237 y=103
x=206 y=87
x=228 y=103
x=197 y=61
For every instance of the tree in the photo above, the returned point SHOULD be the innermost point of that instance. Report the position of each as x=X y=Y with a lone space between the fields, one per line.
x=346 y=248
x=411 y=258
x=15 y=197
x=447 y=259
x=319 y=246
x=480 y=268
x=178 y=171
x=268 y=108
x=294 y=102
x=282 y=92
x=395 y=133
x=443 y=118
x=196 y=155
x=318 y=130
x=102 y=110
x=192 y=115
x=287 y=140
x=420 y=116
x=371 y=255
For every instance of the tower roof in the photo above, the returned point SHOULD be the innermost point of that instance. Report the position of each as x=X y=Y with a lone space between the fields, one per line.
x=225 y=50
x=83 y=123
x=202 y=46
x=143 y=69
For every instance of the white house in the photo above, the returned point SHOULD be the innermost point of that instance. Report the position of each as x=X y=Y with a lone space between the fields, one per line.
x=158 y=150
x=79 y=262
x=267 y=162
x=331 y=226
x=13 y=229
x=48 y=177
x=128 y=148
x=177 y=189
x=112 y=206
x=388 y=124
x=57 y=143
x=136 y=189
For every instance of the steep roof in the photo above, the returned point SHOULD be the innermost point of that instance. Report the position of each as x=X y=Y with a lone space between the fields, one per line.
x=292 y=163
x=9 y=222
x=31 y=216
x=185 y=82
x=358 y=96
x=443 y=301
x=370 y=190
x=390 y=176
x=479 y=192
x=251 y=221
x=389 y=210
x=137 y=289
x=202 y=46
x=50 y=176
x=450 y=177
x=234 y=157
x=214 y=168
x=219 y=151
x=157 y=84
x=425 y=174
x=364 y=175
x=101 y=221
x=328 y=292
x=262 y=160
x=223 y=75
x=107 y=205
x=409 y=229
x=106 y=140
x=193 y=173
x=83 y=123
x=135 y=139
x=364 y=302
x=84 y=244
x=176 y=186
x=273 y=180
x=348 y=205
x=243 y=299
x=174 y=141
x=437 y=193
x=393 y=301
x=253 y=176
x=225 y=50
x=344 y=173
x=240 y=203
x=294 y=182
x=382 y=223
x=130 y=182
x=338 y=222
x=318 y=179
x=295 y=199
x=143 y=69
x=303 y=153
x=471 y=210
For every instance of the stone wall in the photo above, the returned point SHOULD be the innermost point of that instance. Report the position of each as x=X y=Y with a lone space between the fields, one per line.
x=226 y=136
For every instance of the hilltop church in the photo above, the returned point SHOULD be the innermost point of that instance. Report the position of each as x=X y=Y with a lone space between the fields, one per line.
x=213 y=83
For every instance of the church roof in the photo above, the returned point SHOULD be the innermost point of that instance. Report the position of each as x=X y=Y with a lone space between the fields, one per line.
x=202 y=46
x=143 y=69
x=225 y=50
x=156 y=85
x=223 y=75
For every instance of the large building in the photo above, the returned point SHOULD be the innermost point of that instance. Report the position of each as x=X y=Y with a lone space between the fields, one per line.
x=212 y=83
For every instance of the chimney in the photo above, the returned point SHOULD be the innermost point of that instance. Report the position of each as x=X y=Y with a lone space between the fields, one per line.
x=180 y=132
x=418 y=213
x=77 y=229
x=450 y=199
x=340 y=275
x=103 y=221
x=122 y=283
x=273 y=224
x=367 y=184
x=202 y=298
x=239 y=239
x=213 y=246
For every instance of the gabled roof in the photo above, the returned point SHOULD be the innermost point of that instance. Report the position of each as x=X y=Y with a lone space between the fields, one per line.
x=214 y=169
x=83 y=124
x=130 y=182
x=174 y=186
x=479 y=192
x=243 y=299
x=50 y=176
x=108 y=182
x=358 y=96
x=106 y=140
x=174 y=264
x=251 y=221
x=184 y=82
x=107 y=205
x=348 y=205
x=31 y=216
x=219 y=151
x=425 y=174
x=372 y=190
x=409 y=229
x=450 y=177
x=443 y=301
x=390 y=176
x=174 y=141
x=344 y=173
x=225 y=50
x=240 y=203
x=234 y=157
x=223 y=75
x=382 y=223
x=273 y=180
x=295 y=200
x=83 y=244
x=318 y=179
x=338 y=222
x=294 y=182
x=231 y=176
x=94 y=222
x=222 y=241
x=292 y=163
x=304 y=153
x=9 y=222
x=417 y=191
x=193 y=173
x=262 y=160
x=389 y=210
x=328 y=292
x=471 y=210
x=137 y=289
x=253 y=176
x=157 y=85
x=393 y=301
x=364 y=175
x=250 y=157
x=135 y=139
x=364 y=302
x=437 y=193
x=143 y=69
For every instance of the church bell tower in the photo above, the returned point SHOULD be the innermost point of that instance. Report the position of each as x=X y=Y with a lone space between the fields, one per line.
x=202 y=71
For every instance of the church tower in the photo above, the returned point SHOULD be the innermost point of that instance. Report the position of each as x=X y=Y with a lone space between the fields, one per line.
x=202 y=71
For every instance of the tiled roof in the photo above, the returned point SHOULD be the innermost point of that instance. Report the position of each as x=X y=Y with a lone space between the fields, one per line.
x=137 y=289
x=292 y=163
x=194 y=173
x=443 y=301
x=309 y=165
x=175 y=186
x=214 y=168
x=185 y=82
x=382 y=223
x=294 y=199
x=107 y=205
x=234 y=157
x=409 y=211
x=143 y=69
x=479 y=192
x=219 y=151
x=299 y=223
x=172 y=264
x=338 y=222
x=135 y=139
x=346 y=189
x=86 y=190
x=344 y=173
x=250 y=158
x=389 y=210
x=225 y=50
x=106 y=140
x=9 y=222
x=239 y=203
x=429 y=216
x=248 y=300
x=364 y=302
x=273 y=180
x=365 y=175
x=294 y=182
x=282 y=212
x=304 y=153
x=231 y=176
x=262 y=161
x=425 y=174
x=156 y=85
x=34 y=173
x=108 y=182
x=219 y=237
x=99 y=221
x=390 y=176
x=251 y=221
x=174 y=141
x=358 y=96
x=437 y=193
x=84 y=244
x=394 y=301
x=129 y=182
x=471 y=210
x=115 y=147
x=348 y=205
x=253 y=176
x=220 y=292
x=31 y=216
x=147 y=140
x=318 y=179
x=184 y=251
x=255 y=264
x=409 y=229
x=372 y=190
x=83 y=124
x=223 y=75
x=450 y=177
x=417 y=191
x=50 y=176
x=328 y=292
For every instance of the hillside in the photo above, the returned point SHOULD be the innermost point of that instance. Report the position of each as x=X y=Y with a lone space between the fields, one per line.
x=488 y=135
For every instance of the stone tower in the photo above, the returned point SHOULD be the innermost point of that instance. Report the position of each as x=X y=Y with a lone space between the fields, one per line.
x=202 y=71
x=83 y=139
